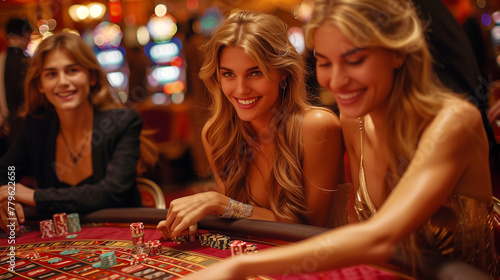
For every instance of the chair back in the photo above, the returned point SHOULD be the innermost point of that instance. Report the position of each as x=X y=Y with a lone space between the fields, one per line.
x=151 y=194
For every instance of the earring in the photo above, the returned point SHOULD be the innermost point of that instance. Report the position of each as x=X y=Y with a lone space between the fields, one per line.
x=283 y=85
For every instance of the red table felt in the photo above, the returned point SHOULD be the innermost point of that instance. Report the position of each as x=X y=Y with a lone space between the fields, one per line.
x=123 y=233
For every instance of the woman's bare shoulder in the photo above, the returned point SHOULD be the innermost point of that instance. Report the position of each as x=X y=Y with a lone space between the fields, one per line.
x=458 y=114
x=320 y=119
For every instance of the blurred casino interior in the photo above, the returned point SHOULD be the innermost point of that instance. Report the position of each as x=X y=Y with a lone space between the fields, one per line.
x=149 y=50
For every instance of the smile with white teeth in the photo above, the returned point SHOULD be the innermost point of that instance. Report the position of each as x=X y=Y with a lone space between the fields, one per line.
x=349 y=95
x=247 y=102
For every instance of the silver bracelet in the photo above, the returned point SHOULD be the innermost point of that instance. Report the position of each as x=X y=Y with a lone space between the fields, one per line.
x=237 y=210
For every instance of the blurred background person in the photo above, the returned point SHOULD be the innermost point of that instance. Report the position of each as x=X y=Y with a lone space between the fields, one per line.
x=13 y=64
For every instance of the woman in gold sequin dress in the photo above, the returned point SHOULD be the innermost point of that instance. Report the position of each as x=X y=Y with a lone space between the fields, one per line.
x=420 y=151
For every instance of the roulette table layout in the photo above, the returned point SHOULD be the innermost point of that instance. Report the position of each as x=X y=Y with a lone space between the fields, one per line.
x=75 y=257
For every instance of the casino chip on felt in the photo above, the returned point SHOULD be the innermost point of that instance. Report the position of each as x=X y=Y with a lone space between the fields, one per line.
x=107 y=260
x=217 y=241
x=34 y=254
x=238 y=247
x=181 y=239
x=47 y=228
x=69 y=252
x=141 y=248
x=154 y=247
x=138 y=259
x=54 y=260
x=251 y=248
x=73 y=222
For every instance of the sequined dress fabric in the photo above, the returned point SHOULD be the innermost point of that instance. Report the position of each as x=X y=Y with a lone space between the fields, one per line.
x=461 y=229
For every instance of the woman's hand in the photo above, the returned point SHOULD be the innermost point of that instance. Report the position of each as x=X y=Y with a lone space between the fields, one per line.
x=223 y=270
x=185 y=212
x=20 y=192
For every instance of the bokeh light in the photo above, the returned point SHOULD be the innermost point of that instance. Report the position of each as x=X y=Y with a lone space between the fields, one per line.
x=303 y=11
x=107 y=35
x=496 y=17
x=296 y=37
x=192 y=4
x=159 y=98
x=143 y=35
x=111 y=59
x=173 y=87
x=177 y=98
x=486 y=20
x=96 y=10
x=160 y=10
x=209 y=21
x=162 y=28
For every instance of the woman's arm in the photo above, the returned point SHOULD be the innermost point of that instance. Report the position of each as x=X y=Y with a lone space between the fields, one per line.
x=322 y=163
x=186 y=211
x=119 y=144
x=446 y=149
x=258 y=213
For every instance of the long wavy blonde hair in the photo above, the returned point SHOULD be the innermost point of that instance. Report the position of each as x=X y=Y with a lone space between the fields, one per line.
x=417 y=94
x=234 y=145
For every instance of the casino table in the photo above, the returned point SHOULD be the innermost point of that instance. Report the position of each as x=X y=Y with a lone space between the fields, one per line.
x=108 y=230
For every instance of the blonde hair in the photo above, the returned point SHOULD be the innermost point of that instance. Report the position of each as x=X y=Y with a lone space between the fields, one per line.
x=100 y=93
x=417 y=94
x=265 y=39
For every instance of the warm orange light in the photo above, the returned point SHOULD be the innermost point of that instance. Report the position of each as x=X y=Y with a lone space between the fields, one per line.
x=115 y=11
x=170 y=88
x=192 y=4
x=176 y=61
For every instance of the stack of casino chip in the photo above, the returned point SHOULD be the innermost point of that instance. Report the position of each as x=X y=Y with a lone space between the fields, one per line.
x=181 y=239
x=238 y=247
x=139 y=258
x=154 y=247
x=61 y=223
x=74 y=222
x=108 y=259
x=137 y=231
x=204 y=238
x=251 y=248
x=217 y=241
x=220 y=242
x=47 y=228
x=33 y=254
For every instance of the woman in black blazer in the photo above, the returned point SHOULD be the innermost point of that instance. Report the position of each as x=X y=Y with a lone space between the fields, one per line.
x=78 y=142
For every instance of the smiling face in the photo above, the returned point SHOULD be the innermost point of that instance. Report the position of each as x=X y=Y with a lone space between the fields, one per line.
x=64 y=82
x=254 y=96
x=360 y=78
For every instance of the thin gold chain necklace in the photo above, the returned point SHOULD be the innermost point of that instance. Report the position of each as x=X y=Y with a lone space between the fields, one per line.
x=74 y=159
